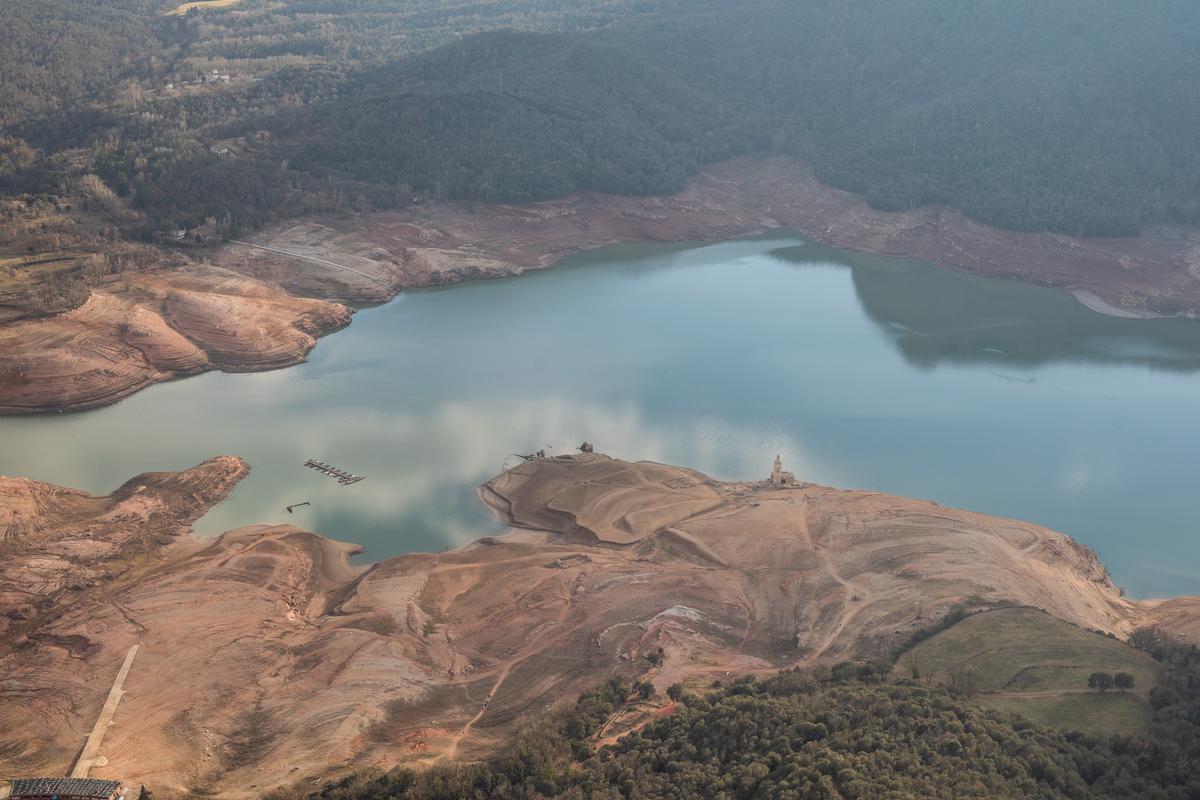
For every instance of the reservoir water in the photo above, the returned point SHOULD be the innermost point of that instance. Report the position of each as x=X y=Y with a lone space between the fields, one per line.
x=861 y=371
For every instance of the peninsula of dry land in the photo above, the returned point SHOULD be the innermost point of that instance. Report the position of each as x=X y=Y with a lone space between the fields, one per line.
x=265 y=658
x=139 y=328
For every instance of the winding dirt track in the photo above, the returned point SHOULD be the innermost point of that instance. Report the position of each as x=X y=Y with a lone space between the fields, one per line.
x=852 y=591
x=302 y=257
x=530 y=647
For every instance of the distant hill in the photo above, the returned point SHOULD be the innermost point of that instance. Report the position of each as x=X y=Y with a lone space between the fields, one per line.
x=1077 y=116
x=1074 y=116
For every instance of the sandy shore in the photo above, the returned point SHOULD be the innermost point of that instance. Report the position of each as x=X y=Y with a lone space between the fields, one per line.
x=1098 y=304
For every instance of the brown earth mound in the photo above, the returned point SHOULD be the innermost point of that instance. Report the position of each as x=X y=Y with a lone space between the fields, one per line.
x=60 y=546
x=144 y=327
x=266 y=659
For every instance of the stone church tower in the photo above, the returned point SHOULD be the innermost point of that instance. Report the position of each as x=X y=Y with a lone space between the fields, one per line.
x=779 y=477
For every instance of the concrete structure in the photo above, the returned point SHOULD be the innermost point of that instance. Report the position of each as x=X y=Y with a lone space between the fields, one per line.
x=779 y=477
x=90 y=756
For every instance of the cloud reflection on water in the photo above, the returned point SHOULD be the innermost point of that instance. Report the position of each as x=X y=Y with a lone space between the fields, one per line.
x=412 y=501
x=863 y=372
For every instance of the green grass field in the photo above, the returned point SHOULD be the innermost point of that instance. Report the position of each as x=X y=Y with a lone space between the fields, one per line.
x=1030 y=663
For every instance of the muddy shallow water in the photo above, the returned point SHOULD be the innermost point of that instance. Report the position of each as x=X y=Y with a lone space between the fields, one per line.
x=861 y=371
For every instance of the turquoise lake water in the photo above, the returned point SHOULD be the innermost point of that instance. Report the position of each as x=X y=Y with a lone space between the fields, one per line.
x=861 y=371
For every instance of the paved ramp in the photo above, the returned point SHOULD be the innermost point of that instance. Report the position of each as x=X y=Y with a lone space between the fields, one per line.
x=88 y=757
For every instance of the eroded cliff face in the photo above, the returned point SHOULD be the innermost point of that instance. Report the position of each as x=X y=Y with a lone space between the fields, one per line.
x=266 y=658
x=143 y=327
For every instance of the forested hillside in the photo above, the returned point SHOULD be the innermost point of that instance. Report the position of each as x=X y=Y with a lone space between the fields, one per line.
x=58 y=53
x=824 y=735
x=978 y=105
x=1077 y=116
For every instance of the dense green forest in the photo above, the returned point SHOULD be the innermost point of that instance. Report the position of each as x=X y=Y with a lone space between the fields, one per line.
x=1077 y=116
x=825 y=735
x=1072 y=116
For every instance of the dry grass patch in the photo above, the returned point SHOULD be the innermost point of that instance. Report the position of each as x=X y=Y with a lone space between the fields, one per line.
x=186 y=7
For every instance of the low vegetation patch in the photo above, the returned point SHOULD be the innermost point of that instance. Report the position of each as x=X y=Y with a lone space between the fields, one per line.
x=1025 y=661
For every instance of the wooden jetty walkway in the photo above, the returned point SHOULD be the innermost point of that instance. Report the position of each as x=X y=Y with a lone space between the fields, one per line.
x=343 y=477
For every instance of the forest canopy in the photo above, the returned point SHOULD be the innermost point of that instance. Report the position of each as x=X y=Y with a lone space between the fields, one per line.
x=1072 y=116
x=1077 y=116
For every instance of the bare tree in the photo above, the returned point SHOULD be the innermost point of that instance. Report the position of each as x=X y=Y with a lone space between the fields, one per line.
x=1148 y=638
x=963 y=681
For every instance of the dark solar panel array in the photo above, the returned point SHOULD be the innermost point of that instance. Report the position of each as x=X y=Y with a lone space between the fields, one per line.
x=63 y=787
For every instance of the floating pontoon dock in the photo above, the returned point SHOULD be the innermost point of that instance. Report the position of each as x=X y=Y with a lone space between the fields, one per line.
x=343 y=477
